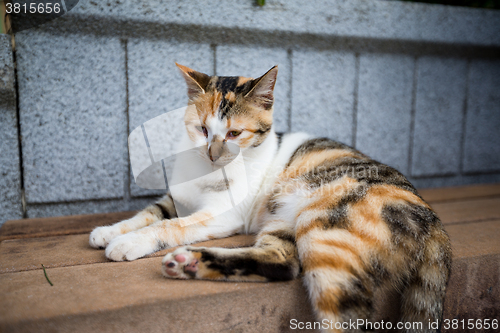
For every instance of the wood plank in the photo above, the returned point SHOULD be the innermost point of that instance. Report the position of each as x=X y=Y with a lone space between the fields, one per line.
x=468 y=210
x=99 y=290
x=474 y=239
x=460 y=192
x=70 y=250
x=110 y=297
x=473 y=292
x=61 y=225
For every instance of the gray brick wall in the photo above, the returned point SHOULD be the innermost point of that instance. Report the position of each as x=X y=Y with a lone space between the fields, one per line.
x=415 y=86
x=384 y=108
x=72 y=107
x=10 y=164
x=439 y=105
x=323 y=90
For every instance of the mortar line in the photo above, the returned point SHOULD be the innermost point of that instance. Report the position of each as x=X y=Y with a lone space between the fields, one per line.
x=464 y=120
x=24 y=209
x=412 y=114
x=214 y=51
x=290 y=87
x=89 y=201
x=126 y=194
x=355 y=101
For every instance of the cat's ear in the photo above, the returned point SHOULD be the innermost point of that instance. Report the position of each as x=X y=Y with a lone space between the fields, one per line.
x=261 y=93
x=196 y=82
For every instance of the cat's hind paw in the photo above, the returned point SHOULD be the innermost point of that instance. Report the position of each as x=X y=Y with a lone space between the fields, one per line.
x=181 y=264
x=100 y=237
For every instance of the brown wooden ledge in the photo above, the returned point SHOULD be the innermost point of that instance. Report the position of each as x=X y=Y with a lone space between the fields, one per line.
x=93 y=294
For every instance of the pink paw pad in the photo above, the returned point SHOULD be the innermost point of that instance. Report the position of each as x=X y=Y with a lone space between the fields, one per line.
x=180 y=258
x=192 y=267
x=181 y=264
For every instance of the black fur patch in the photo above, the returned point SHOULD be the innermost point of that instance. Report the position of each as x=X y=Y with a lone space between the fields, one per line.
x=264 y=128
x=226 y=84
x=225 y=108
x=377 y=271
x=164 y=212
x=337 y=215
x=273 y=204
x=283 y=235
x=318 y=144
x=229 y=266
x=358 y=298
x=402 y=219
x=279 y=135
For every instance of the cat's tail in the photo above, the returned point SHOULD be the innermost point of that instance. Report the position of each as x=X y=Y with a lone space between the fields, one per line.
x=423 y=297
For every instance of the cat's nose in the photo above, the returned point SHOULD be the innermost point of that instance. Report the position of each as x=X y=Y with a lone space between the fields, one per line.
x=215 y=150
x=212 y=156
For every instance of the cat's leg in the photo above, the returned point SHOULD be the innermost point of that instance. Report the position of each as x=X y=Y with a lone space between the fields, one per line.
x=100 y=237
x=200 y=226
x=272 y=258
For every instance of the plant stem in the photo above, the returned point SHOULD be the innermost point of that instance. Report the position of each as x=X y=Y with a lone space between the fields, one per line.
x=44 y=272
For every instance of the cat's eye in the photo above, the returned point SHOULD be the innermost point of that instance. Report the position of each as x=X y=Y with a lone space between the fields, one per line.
x=202 y=129
x=233 y=134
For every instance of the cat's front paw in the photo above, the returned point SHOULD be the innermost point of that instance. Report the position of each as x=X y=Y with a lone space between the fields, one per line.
x=180 y=264
x=100 y=237
x=131 y=246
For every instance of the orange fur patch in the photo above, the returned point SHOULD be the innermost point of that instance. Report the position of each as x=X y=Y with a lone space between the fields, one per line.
x=317 y=223
x=242 y=80
x=245 y=142
x=230 y=96
x=309 y=161
x=344 y=258
x=208 y=105
x=328 y=300
x=393 y=193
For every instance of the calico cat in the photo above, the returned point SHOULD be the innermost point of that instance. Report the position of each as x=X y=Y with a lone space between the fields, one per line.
x=322 y=210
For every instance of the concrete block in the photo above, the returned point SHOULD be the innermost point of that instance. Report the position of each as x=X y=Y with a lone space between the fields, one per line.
x=72 y=93
x=384 y=108
x=6 y=67
x=252 y=61
x=439 y=105
x=482 y=131
x=155 y=84
x=323 y=93
x=10 y=168
x=395 y=20
x=87 y=207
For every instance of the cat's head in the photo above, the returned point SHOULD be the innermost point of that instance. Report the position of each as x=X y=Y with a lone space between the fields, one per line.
x=228 y=110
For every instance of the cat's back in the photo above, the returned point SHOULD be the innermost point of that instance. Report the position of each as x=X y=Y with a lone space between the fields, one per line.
x=358 y=224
